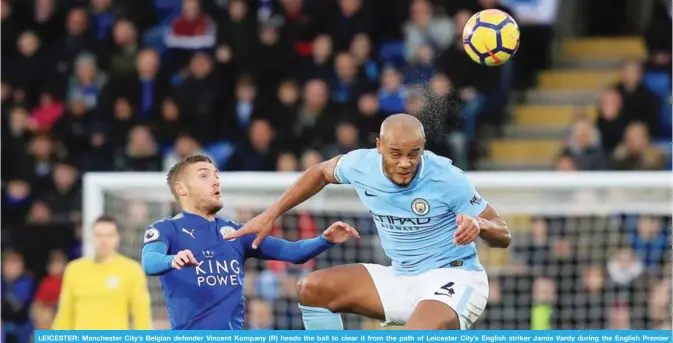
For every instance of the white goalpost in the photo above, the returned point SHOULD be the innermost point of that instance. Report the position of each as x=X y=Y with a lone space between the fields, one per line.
x=589 y=206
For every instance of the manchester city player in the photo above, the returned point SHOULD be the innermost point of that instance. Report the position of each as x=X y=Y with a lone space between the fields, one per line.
x=202 y=273
x=428 y=215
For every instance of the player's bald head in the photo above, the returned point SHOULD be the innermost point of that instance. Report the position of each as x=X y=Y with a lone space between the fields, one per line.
x=401 y=128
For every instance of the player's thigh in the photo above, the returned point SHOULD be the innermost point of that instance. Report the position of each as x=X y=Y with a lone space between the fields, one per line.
x=456 y=297
x=342 y=289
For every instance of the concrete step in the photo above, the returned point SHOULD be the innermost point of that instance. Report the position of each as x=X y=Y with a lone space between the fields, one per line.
x=576 y=80
x=534 y=132
x=551 y=115
x=524 y=151
x=619 y=48
x=487 y=165
x=589 y=64
x=568 y=97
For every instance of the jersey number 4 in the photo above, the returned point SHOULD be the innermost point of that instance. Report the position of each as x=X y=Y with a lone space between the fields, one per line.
x=446 y=290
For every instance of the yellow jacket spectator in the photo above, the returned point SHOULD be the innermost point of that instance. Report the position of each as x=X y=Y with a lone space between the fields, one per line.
x=108 y=292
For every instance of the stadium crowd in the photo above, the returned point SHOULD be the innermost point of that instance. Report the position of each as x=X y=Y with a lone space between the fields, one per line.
x=267 y=85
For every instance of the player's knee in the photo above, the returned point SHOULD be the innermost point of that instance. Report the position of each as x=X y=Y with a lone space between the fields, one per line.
x=314 y=290
x=308 y=288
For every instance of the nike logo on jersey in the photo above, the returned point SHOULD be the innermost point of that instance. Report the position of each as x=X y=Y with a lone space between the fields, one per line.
x=369 y=194
x=191 y=233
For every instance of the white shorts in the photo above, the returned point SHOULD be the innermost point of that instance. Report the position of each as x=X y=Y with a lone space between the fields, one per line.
x=466 y=292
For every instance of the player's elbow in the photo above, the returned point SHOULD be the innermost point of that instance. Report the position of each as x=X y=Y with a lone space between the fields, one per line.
x=503 y=241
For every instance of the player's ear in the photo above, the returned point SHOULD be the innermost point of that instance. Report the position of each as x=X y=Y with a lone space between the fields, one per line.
x=180 y=189
x=378 y=145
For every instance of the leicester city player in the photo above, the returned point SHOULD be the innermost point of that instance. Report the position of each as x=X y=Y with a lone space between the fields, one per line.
x=427 y=214
x=202 y=273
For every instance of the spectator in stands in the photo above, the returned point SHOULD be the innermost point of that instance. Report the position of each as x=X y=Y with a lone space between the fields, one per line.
x=650 y=241
x=27 y=71
x=184 y=146
x=49 y=288
x=639 y=103
x=658 y=79
x=422 y=68
x=258 y=153
x=619 y=317
x=192 y=30
x=319 y=64
x=236 y=31
x=544 y=300
x=287 y=162
x=64 y=195
x=124 y=48
x=347 y=21
x=369 y=117
x=260 y=315
x=87 y=81
x=565 y=162
x=241 y=111
x=361 y=50
x=270 y=43
x=102 y=18
x=347 y=139
x=144 y=89
x=285 y=110
x=636 y=151
x=42 y=158
x=169 y=123
x=315 y=123
x=585 y=147
x=536 y=21
x=348 y=84
x=612 y=120
x=78 y=39
x=585 y=309
x=17 y=291
x=425 y=29
x=17 y=198
x=659 y=303
x=310 y=158
x=199 y=96
x=141 y=152
x=392 y=94
x=46 y=113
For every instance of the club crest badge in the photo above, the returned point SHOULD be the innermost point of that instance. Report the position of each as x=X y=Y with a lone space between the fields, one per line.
x=225 y=230
x=420 y=207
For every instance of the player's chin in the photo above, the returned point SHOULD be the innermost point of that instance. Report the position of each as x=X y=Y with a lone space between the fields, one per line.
x=216 y=205
x=403 y=179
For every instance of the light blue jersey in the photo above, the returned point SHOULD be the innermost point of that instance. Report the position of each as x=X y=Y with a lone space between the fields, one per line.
x=416 y=223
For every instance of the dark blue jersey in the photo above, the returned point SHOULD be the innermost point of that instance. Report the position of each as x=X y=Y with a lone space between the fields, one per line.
x=210 y=296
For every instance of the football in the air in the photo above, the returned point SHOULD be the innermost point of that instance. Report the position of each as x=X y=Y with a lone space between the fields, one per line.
x=491 y=37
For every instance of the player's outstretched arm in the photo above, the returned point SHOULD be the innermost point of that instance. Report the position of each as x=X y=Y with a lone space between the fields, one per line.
x=156 y=261
x=312 y=181
x=299 y=252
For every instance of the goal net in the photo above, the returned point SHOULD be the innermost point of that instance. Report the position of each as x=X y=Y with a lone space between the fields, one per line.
x=590 y=250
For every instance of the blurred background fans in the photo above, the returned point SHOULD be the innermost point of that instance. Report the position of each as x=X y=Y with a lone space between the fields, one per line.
x=280 y=85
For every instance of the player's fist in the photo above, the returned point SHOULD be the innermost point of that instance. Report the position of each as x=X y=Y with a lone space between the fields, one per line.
x=340 y=232
x=184 y=258
x=260 y=225
x=468 y=229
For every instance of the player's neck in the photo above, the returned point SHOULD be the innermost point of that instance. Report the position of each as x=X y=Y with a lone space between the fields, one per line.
x=198 y=212
x=104 y=258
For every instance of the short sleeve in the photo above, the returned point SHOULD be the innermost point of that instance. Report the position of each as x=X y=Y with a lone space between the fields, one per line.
x=464 y=197
x=344 y=168
x=160 y=231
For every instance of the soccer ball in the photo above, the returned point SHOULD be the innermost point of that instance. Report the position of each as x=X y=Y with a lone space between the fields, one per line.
x=491 y=37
